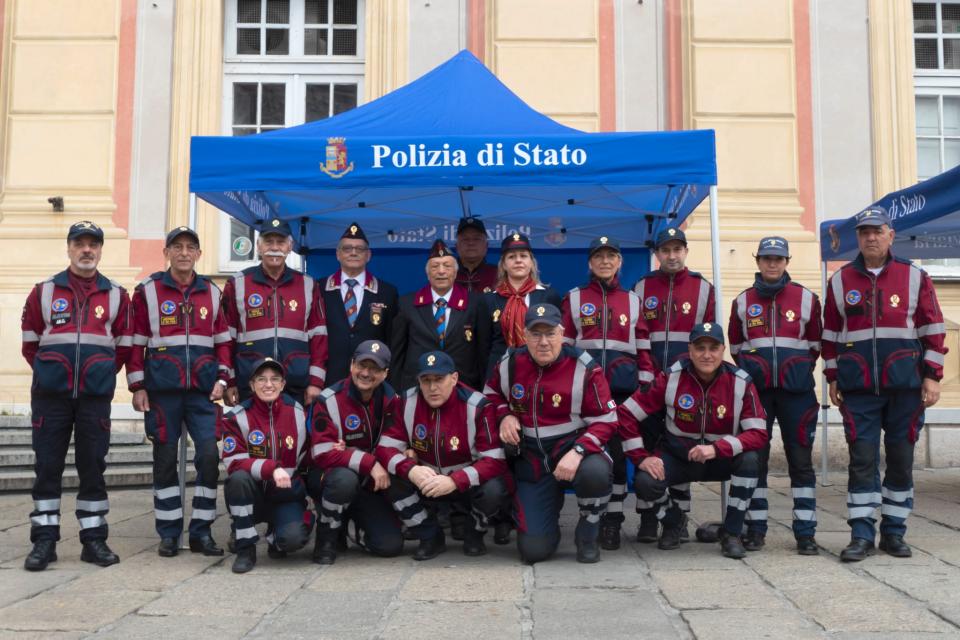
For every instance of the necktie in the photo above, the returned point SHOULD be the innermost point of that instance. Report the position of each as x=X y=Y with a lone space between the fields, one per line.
x=440 y=318
x=350 y=302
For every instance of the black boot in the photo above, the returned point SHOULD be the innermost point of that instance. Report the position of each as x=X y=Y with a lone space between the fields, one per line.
x=97 y=552
x=43 y=553
x=431 y=547
x=895 y=546
x=168 y=548
x=609 y=535
x=274 y=552
x=246 y=559
x=807 y=546
x=325 y=548
x=232 y=542
x=754 y=540
x=473 y=544
x=731 y=545
x=857 y=550
x=205 y=545
x=684 y=531
x=501 y=532
x=669 y=538
x=588 y=551
x=647 y=530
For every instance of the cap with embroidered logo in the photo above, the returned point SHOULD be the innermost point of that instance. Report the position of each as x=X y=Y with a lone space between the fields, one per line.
x=711 y=330
x=85 y=228
x=668 y=235
x=471 y=222
x=773 y=246
x=545 y=313
x=354 y=232
x=603 y=242
x=439 y=249
x=373 y=350
x=873 y=217
x=515 y=242
x=176 y=232
x=435 y=363
x=268 y=363
x=275 y=225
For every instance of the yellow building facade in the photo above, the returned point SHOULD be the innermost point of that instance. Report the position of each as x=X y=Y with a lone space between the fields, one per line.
x=813 y=103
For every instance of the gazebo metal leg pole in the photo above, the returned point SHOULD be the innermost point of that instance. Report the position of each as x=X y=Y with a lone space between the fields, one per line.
x=825 y=394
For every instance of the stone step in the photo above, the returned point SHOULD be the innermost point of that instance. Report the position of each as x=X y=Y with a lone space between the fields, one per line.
x=14 y=421
x=118 y=476
x=22 y=437
x=23 y=457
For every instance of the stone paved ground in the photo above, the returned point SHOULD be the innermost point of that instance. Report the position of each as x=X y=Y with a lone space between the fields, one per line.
x=637 y=591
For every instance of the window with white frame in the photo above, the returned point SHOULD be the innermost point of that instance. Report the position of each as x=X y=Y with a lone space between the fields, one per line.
x=286 y=62
x=936 y=77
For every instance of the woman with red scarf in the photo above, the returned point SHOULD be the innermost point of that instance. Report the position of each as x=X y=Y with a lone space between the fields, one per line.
x=518 y=287
x=604 y=319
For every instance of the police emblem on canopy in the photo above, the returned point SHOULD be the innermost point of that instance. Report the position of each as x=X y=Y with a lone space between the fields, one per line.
x=335 y=165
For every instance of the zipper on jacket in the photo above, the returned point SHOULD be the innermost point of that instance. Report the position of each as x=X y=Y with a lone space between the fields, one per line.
x=186 y=329
x=773 y=327
x=273 y=435
x=703 y=406
x=666 y=327
x=76 y=355
x=873 y=311
x=603 y=328
x=436 y=440
x=533 y=415
x=276 y=327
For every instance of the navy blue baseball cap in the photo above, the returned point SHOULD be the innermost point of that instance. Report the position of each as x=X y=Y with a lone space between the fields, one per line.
x=873 y=217
x=435 y=363
x=711 y=330
x=264 y=363
x=373 y=350
x=181 y=231
x=773 y=246
x=603 y=242
x=471 y=222
x=276 y=225
x=667 y=235
x=545 y=313
x=85 y=228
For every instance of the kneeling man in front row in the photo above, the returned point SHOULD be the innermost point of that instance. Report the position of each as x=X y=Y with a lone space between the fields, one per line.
x=715 y=427
x=452 y=431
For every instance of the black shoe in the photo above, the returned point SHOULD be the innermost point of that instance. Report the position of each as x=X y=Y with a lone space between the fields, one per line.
x=807 y=546
x=647 y=531
x=458 y=526
x=501 y=533
x=98 y=553
x=246 y=559
x=754 y=540
x=588 y=551
x=324 y=549
x=731 y=546
x=431 y=547
x=895 y=546
x=609 y=535
x=473 y=544
x=43 y=553
x=684 y=531
x=168 y=548
x=857 y=550
x=206 y=546
x=274 y=552
x=232 y=542
x=669 y=538
x=410 y=534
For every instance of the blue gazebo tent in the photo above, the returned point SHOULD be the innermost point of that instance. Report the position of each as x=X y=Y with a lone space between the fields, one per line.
x=457 y=141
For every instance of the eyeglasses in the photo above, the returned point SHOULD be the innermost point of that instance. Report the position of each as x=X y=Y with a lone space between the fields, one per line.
x=274 y=380
x=347 y=248
x=537 y=336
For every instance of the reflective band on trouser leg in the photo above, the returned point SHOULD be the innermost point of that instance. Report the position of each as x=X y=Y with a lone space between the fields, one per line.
x=406 y=503
x=331 y=514
x=243 y=524
x=756 y=517
x=680 y=494
x=895 y=509
x=804 y=510
x=592 y=508
x=45 y=520
x=861 y=509
x=168 y=511
x=738 y=500
x=617 y=498
x=205 y=491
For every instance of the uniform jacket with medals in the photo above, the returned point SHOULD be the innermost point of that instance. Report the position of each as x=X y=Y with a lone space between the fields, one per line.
x=459 y=439
x=282 y=319
x=882 y=332
x=606 y=322
x=181 y=339
x=466 y=340
x=725 y=413
x=494 y=305
x=259 y=437
x=565 y=403
x=672 y=305
x=776 y=339
x=374 y=321
x=76 y=346
x=341 y=414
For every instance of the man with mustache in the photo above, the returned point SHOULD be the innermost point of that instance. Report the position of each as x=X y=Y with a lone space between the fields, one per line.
x=276 y=312
x=883 y=356
x=76 y=337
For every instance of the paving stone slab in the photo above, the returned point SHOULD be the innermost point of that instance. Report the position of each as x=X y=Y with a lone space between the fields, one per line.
x=600 y=613
x=314 y=614
x=146 y=570
x=742 y=589
x=179 y=627
x=454 y=620
x=17 y=584
x=345 y=576
x=744 y=624
x=59 y=610
x=451 y=583
x=253 y=594
x=623 y=571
